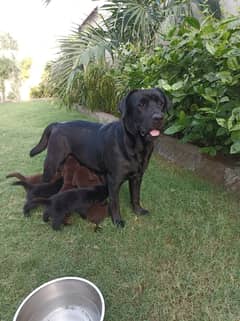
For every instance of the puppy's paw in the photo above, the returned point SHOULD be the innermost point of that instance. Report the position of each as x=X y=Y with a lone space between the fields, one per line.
x=97 y=228
x=45 y=217
x=26 y=211
x=56 y=226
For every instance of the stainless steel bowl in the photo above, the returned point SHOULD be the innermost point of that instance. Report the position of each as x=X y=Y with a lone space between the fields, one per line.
x=63 y=299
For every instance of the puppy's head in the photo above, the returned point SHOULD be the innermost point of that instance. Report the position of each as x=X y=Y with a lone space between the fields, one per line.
x=143 y=112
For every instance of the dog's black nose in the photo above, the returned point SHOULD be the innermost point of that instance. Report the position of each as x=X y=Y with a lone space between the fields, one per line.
x=157 y=117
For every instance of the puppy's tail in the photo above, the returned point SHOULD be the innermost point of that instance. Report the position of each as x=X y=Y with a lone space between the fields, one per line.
x=25 y=184
x=43 y=140
x=17 y=175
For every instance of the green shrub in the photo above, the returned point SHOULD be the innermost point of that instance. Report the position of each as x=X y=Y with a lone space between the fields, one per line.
x=198 y=65
x=94 y=88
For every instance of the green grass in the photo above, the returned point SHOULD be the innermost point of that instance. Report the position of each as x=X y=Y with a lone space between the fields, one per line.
x=180 y=263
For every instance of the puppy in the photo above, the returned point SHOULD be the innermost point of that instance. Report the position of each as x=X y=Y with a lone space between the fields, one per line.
x=75 y=200
x=97 y=213
x=38 y=190
x=76 y=175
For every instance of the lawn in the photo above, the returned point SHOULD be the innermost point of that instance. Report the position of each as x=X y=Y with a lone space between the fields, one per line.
x=180 y=263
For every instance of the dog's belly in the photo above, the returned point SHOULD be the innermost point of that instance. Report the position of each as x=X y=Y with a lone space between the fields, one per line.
x=89 y=156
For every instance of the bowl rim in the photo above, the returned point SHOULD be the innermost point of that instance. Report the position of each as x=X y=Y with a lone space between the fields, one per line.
x=59 y=280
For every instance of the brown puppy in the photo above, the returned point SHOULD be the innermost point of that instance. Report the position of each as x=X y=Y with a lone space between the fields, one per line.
x=75 y=175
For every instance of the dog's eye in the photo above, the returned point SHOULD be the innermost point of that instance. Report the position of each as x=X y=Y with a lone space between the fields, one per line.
x=141 y=105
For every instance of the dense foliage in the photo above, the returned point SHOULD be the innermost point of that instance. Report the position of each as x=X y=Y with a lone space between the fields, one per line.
x=199 y=67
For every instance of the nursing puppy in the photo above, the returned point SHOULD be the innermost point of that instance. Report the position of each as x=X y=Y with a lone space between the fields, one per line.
x=119 y=150
x=74 y=200
x=38 y=190
x=76 y=175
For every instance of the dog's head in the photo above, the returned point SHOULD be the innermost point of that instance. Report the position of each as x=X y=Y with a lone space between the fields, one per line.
x=143 y=112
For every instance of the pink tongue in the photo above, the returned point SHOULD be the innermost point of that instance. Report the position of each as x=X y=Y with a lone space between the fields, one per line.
x=154 y=132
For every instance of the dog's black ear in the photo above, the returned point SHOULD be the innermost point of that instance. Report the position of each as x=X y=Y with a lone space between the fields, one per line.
x=122 y=105
x=167 y=102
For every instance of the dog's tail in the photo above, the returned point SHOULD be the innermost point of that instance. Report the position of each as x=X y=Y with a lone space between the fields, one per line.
x=43 y=141
x=17 y=175
x=25 y=184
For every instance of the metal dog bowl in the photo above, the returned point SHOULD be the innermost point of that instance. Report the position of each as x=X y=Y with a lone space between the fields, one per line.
x=63 y=299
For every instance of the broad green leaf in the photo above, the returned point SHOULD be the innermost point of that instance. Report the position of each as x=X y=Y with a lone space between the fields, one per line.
x=176 y=128
x=233 y=123
x=221 y=122
x=225 y=77
x=235 y=136
x=224 y=99
x=233 y=128
x=207 y=110
x=164 y=85
x=235 y=148
x=182 y=117
x=211 y=76
x=193 y=22
x=211 y=92
x=221 y=131
x=178 y=85
x=233 y=64
x=210 y=150
x=209 y=98
x=210 y=48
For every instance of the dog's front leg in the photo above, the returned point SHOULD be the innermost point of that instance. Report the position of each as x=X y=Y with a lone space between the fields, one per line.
x=134 y=187
x=114 y=208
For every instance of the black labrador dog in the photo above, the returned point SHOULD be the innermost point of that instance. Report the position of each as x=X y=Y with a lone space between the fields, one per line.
x=119 y=150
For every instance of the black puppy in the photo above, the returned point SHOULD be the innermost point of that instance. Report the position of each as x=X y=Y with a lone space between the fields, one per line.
x=119 y=150
x=38 y=190
x=74 y=200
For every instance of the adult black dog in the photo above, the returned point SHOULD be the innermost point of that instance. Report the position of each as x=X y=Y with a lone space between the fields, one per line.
x=119 y=150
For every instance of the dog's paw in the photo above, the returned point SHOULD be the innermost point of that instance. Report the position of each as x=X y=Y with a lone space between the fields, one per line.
x=119 y=223
x=140 y=211
x=26 y=211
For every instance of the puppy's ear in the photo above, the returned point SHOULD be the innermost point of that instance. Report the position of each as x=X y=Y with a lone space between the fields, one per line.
x=122 y=105
x=167 y=102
